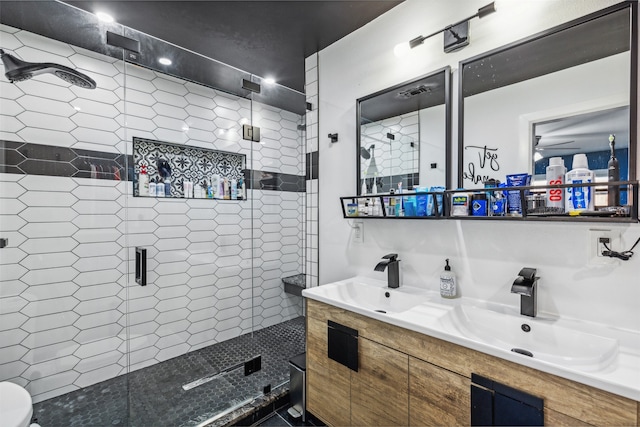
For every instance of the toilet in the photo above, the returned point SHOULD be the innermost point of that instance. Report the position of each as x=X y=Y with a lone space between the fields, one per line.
x=16 y=407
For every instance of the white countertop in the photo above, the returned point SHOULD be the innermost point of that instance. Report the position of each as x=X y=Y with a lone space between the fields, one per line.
x=619 y=374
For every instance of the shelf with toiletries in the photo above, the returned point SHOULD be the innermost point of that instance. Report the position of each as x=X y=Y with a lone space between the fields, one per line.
x=515 y=203
x=408 y=205
x=166 y=170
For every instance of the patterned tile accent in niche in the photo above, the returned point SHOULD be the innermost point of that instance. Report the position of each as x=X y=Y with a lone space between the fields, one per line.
x=187 y=163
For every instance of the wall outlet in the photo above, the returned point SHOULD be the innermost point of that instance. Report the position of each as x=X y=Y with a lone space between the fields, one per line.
x=358 y=232
x=597 y=239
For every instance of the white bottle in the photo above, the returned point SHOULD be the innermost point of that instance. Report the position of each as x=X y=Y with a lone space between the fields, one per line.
x=579 y=198
x=152 y=188
x=143 y=183
x=556 y=172
x=448 y=288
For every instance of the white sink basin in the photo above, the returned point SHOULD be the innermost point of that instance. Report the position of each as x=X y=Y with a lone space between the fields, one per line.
x=545 y=340
x=372 y=297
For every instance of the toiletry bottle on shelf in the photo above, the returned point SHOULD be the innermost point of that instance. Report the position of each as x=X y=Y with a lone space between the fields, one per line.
x=375 y=202
x=215 y=185
x=556 y=172
x=613 y=173
x=167 y=187
x=579 y=198
x=227 y=189
x=160 y=188
x=399 y=210
x=448 y=288
x=234 y=189
x=210 y=193
x=143 y=181
x=152 y=187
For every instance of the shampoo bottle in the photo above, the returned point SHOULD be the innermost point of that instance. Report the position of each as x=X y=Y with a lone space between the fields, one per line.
x=555 y=176
x=579 y=198
x=234 y=189
x=152 y=187
x=143 y=181
x=448 y=288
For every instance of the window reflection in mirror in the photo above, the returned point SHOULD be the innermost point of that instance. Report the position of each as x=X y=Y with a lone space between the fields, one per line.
x=555 y=94
x=404 y=135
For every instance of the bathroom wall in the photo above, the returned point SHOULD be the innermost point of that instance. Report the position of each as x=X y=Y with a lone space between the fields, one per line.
x=311 y=224
x=66 y=293
x=486 y=255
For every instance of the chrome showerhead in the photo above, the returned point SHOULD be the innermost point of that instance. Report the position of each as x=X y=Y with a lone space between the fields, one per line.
x=17 y=70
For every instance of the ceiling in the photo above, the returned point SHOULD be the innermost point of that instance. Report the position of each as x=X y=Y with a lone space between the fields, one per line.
x=584 y=133
x=266 y=38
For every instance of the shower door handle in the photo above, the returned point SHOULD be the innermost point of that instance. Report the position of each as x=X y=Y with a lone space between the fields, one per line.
x=141 y=266
x=4 y=242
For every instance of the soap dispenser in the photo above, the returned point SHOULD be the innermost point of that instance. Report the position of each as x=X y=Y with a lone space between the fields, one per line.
x=448 y=288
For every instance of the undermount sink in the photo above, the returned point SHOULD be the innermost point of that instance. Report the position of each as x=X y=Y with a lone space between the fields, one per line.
x=375 y=298
x=532 y=337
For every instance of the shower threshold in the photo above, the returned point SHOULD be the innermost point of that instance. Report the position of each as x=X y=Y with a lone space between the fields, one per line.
x=249 y=368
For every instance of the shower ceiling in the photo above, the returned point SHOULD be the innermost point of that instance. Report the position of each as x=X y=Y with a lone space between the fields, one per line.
x=266 y=38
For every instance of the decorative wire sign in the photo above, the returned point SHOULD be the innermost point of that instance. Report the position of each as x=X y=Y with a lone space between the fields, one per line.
x=184 y=164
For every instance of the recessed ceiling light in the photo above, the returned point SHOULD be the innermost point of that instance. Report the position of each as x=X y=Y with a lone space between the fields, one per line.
x=164 y=61
x=104 y=17
x=269 y=80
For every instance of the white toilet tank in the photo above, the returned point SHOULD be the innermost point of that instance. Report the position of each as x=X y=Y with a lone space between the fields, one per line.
x=16 y=407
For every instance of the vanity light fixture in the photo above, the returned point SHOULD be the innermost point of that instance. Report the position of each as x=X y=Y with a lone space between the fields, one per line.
x=456 y=36
x=165 y=61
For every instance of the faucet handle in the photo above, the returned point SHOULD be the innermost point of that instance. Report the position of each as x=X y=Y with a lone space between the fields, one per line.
x=529 y=274
x=391 y=257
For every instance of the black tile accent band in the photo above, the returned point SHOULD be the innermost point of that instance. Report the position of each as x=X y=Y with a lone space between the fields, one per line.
x=37 y=159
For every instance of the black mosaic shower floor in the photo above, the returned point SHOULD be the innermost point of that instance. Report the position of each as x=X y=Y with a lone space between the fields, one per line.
x=155 y=393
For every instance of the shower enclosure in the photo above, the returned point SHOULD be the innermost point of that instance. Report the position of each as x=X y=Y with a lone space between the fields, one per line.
x=204 y=326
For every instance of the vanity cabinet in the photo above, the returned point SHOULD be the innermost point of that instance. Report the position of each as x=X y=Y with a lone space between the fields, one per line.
x=406 y=377
x=438 y=397
x=380 y=389
x=375 y=394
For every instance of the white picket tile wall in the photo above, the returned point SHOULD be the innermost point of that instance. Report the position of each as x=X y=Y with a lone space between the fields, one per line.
x=64 y=280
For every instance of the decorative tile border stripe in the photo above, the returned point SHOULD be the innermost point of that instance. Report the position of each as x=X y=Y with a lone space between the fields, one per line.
x=24 y=158
x=36 y=159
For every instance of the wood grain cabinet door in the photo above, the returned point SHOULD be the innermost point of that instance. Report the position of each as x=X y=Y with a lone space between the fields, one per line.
x=437 y=397
x=328 y=382
x=380 y=388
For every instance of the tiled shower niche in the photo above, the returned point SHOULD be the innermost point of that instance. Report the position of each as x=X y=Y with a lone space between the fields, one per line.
x=187 y=163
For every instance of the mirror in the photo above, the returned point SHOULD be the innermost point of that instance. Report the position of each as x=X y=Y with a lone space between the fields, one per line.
x=558 y=93
x=404 y=135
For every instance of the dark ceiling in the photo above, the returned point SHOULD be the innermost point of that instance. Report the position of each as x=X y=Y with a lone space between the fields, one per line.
x=266 y=38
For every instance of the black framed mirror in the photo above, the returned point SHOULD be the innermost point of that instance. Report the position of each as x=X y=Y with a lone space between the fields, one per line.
x=404 y=135
x=558 y=93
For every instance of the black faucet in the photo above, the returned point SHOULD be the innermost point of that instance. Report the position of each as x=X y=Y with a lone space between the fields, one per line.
x=525 y=286
x=393 y=273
